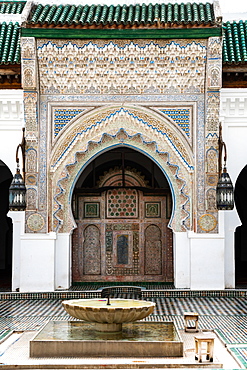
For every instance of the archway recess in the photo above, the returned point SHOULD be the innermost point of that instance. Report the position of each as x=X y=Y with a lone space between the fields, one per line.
x=138 y=128
x=122 y=206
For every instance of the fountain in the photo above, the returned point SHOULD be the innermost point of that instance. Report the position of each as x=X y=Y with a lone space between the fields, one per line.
x=108 y=315
x=110 y=328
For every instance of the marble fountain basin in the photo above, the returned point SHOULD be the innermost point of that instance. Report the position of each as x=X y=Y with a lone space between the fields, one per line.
x=108 y=317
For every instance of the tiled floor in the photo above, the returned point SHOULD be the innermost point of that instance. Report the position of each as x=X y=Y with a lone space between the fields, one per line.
x=225 y=315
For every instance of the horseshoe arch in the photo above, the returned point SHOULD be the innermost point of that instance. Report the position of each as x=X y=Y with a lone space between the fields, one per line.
x=102 y=129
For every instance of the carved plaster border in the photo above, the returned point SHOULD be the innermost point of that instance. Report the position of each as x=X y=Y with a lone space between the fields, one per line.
x=63 y=222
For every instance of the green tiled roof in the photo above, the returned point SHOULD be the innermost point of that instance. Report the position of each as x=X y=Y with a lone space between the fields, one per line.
x=123 y=15
x=9 y=43
x=11 y=7
x=235 y=42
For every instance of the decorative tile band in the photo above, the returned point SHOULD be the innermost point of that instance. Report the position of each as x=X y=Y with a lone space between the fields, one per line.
x=173 y=293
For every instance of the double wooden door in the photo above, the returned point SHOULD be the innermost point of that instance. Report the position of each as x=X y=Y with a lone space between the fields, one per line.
x=123 y=236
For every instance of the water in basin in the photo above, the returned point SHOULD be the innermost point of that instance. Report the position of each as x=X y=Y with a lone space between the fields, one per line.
x=73 y=330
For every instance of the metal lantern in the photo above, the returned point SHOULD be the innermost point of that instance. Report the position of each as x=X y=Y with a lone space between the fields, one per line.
x=224 y=192
x=17 y=190
x=17 y=193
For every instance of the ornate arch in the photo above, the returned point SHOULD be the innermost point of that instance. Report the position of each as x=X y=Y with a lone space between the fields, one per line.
x=102 y=129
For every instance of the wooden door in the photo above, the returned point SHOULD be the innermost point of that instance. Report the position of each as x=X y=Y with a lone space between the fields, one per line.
x=122 y=235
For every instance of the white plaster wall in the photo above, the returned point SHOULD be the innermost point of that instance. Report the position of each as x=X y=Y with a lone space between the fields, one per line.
x=40 y=262
x=11 y=123
x=37 y=267
x=199 y=259
x=207 y=261
x=63 y=261
x=234 y=125
x=181 y=255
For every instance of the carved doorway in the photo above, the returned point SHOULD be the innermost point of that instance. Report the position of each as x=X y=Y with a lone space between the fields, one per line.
x=122 y=206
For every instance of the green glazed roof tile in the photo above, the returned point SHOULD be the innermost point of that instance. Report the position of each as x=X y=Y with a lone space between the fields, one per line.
x=97 y=14
x=13 y=7
x=182 y=13
x=138 y=14
x=9 y=43
x=77 y=14
x=117 y=14
x=90 y=14
x=17 y=56
x=123 y=14
x=234 y=49
x=84 y=14
x=36 y=14
x=157 y=11
x=50 y=14
x=44 y=13
x=150 y=16
x=143 y=13
x=71 y=14
x=189 y=12
x=130 y=14
x=63 y=17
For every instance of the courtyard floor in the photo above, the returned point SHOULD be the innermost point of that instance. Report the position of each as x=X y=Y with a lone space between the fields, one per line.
x=223 y=316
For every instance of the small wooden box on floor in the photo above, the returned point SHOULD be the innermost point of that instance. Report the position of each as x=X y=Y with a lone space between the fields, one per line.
x=188 y=317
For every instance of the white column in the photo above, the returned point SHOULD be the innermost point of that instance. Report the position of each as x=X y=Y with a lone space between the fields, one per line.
x=18 y=219
x=63 y=268
x=181 y=260
x=208 y=259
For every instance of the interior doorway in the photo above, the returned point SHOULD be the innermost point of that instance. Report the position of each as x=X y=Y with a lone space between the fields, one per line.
x=122 y=205
x=5 y=229
x=240 y=197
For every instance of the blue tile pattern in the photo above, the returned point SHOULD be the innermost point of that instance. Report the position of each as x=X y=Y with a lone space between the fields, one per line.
x=182 y=116
x=63 y=116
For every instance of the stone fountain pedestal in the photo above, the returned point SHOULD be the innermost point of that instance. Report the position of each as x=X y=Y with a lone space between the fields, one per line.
x=80 y=339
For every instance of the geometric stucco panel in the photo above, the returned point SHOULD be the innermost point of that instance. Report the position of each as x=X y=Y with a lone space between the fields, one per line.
x=104 y=128
x=113 y=67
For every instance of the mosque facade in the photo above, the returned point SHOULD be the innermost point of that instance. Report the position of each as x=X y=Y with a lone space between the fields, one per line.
x=122 y=108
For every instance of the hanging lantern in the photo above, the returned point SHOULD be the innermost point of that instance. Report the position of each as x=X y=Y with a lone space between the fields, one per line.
x=224 y=192
x=17 y=189
x=17 y=193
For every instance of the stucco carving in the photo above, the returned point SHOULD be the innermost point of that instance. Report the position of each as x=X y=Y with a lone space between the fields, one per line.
x=68 y=160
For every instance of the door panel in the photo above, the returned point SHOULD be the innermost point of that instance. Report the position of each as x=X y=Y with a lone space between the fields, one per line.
x=91 y=251
x=153 y=251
